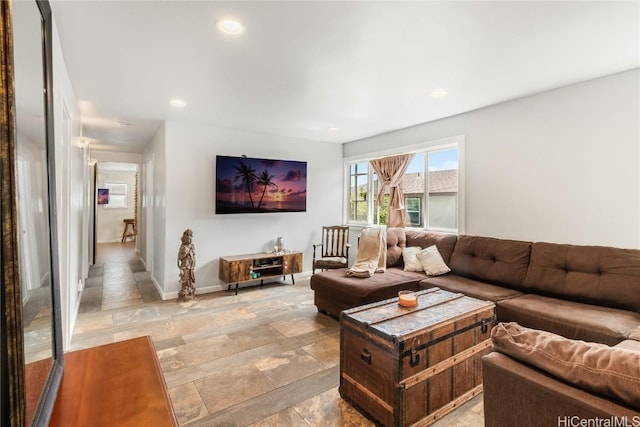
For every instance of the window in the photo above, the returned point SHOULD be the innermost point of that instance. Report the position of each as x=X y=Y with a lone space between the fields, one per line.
x=443 y=189
x=413 y=186
x=358 y=192
x=413 y=206
x=381 y=212
x=117 y=194
x=430 y=187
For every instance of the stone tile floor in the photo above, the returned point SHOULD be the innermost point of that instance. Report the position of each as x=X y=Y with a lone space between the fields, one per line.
x=264 y=358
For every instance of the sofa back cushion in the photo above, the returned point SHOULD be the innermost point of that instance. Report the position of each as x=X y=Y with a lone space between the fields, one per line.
x=589 y=274
x=396 y=241
x=498 y=261
x=400 y=238
x=593 y=367
x=444 y=242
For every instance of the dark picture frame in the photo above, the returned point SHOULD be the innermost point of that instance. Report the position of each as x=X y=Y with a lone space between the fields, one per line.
x=103 y=196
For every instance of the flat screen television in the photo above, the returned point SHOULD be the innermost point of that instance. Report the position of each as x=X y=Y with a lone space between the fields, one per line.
x=251 y=185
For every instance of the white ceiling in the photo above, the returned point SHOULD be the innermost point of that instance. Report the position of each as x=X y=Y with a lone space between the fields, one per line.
x=302 y=67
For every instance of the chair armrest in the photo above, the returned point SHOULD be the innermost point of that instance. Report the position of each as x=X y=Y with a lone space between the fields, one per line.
x=316 y=245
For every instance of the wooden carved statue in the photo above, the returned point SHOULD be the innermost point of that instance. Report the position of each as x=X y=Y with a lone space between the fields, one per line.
x=187 y=265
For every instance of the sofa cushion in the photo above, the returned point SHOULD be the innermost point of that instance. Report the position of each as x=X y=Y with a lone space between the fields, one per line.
x=590 y=274
x=568 y=318
x=331 y=262
x=469 y=287
x=497 y=261
x=353 y=291
x=396 y=241
x=631 y=345
x=410 y=258
x=445 y=242
x=635 y=334
x=591 y=366
x=432 y=262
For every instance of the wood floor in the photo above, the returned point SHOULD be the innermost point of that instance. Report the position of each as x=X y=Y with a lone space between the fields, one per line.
x=265 y=357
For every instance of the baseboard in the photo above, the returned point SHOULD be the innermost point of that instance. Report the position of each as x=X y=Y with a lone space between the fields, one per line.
x=157 y=285
x=224 y=287
x=199 y=291
x=110 y=241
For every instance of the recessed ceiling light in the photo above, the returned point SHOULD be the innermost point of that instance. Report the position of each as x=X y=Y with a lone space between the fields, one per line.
x=229 y=26
x=334 y=129
x=439 y=93
x=123 y=123
x=178 y=103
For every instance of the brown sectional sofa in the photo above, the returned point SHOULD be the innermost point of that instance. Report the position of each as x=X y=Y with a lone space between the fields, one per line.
x=589 y=293
x=564 y=289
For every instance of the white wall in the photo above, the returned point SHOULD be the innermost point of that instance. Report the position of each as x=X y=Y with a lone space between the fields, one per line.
x=190 y=189
x=72 y=181
x=561 y=166
x=116 y=157
x=33 y=220
x=152 y=233
x=145 y=186
x=110 y=221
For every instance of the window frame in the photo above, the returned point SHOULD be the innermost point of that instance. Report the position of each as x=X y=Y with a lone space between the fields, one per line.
x=420 y=207
x=112 y=192
x=349 y=175
x=426 y=147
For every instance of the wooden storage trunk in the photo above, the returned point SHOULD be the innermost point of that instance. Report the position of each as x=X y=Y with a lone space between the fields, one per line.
x=411 y=366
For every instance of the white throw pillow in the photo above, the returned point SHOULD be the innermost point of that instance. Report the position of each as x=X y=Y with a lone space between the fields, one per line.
x=411 y=262
x=432 y=261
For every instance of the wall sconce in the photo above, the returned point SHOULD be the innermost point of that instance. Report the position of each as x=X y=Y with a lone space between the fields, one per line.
x=83 y=142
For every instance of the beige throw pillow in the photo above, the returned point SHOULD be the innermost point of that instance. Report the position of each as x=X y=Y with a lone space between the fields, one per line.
x=591 y=366
x=411 y=262
x=432 y=261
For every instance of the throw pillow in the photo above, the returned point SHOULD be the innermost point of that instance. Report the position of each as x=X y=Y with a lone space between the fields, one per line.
x=590 y=366
x=409 y=256
x=432 y=261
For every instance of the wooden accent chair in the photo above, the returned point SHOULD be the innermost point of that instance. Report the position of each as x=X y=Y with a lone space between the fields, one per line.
x=335 y=248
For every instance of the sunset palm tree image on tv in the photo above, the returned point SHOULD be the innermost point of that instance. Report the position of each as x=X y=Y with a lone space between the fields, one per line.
x=249 y=185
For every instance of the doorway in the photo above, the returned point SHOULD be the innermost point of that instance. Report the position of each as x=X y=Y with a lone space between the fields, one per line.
x=117 y=203
x=111 y=282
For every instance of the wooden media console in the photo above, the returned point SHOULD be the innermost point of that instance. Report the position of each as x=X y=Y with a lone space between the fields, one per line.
x=245 y=268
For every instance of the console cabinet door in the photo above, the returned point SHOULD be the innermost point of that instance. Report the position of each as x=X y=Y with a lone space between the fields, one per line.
x=291 y=263
x=236 y=271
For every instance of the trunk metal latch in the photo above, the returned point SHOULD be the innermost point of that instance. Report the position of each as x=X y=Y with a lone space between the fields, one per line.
x=366 y=356
x=414 y=358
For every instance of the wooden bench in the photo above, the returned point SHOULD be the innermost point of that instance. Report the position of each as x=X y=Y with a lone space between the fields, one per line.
x=119 y=384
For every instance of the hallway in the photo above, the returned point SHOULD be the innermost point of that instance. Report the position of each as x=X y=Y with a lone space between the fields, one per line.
x=117 y=280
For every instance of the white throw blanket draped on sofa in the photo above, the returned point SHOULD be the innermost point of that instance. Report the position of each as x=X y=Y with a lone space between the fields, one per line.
x=372 y=253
